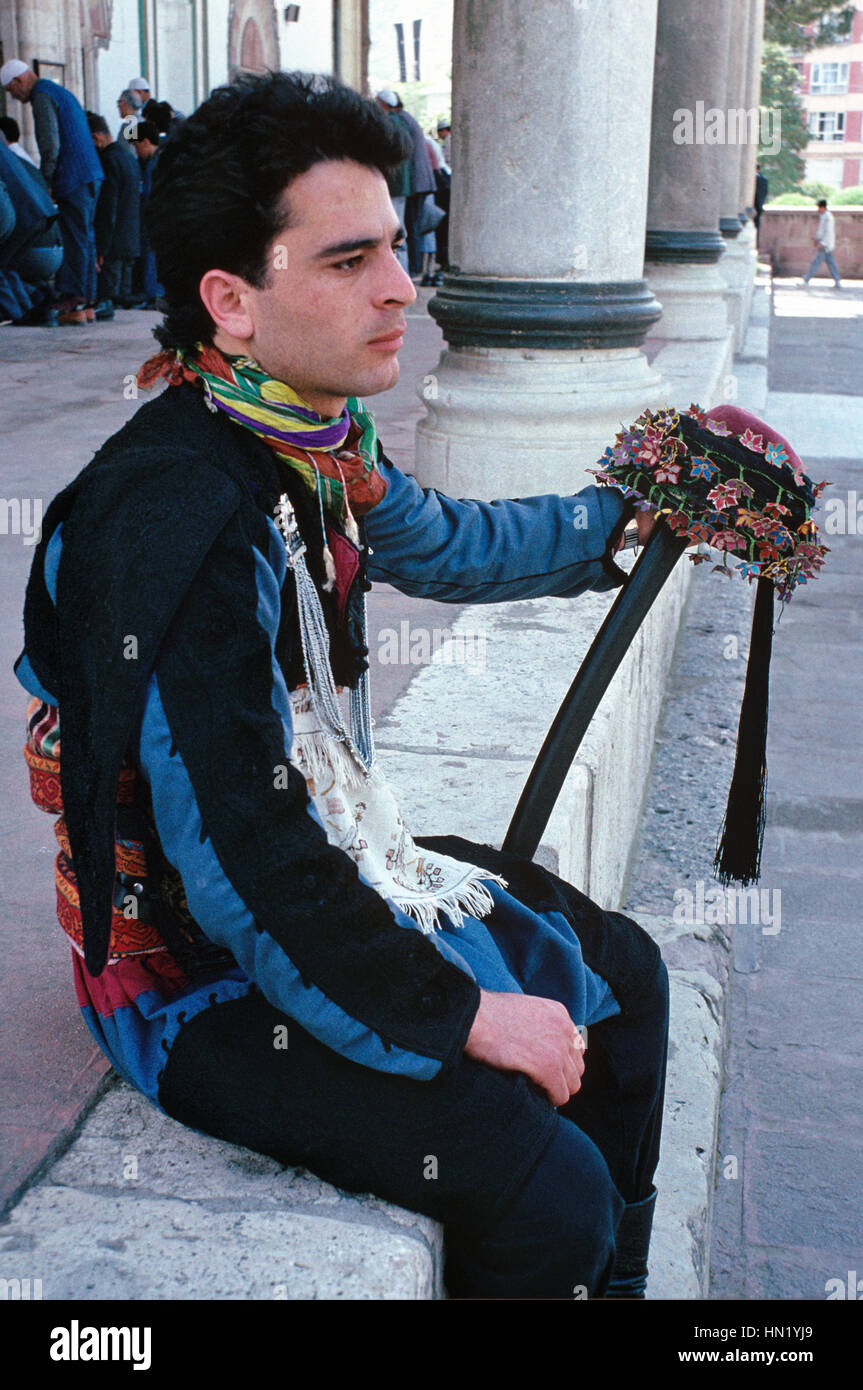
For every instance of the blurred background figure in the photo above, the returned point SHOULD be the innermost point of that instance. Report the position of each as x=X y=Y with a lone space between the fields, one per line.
x=31 y=248
x=420 y=174
x=71 y=167
x=118 y=214
x=11 y=132
x=129 y=105
x=146 y=140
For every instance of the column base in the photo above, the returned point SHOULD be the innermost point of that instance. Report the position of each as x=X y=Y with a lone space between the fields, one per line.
x=692 y=297
x=737 y=268
x=508 y=423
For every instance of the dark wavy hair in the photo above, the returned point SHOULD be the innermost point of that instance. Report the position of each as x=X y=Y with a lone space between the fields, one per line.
x=220 y=176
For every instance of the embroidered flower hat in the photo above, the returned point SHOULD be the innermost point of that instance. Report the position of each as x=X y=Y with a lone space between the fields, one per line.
x=726 y=479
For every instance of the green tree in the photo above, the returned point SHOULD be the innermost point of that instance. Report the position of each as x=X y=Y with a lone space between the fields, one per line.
x=779 y=94
x=786 y=21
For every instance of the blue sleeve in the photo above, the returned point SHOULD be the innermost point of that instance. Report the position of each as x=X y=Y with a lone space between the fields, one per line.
x=433 y=546
x=214 y=902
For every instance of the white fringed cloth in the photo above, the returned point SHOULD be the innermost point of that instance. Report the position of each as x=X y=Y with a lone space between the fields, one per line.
x=360 y=816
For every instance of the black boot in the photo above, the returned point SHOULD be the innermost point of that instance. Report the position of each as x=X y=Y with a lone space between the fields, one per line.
x=632 y=1242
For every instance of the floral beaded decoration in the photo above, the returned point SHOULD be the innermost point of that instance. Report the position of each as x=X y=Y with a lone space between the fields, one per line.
x=726 y=479
x=744 y=494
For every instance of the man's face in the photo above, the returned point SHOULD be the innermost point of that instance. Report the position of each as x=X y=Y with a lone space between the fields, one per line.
x=19 y=88
x=331 y=318
x=145 y=148
x=124 y=108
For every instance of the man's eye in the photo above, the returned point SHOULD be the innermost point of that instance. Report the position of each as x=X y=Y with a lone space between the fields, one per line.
x=350 y=264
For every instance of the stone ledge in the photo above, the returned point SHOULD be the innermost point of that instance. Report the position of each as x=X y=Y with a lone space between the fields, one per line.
x=204 y=1219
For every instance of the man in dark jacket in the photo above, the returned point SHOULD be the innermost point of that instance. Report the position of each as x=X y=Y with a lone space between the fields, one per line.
x=196 y=599
x=146 y=141
x=760 y=198
x=71 y=167
x=118 y=214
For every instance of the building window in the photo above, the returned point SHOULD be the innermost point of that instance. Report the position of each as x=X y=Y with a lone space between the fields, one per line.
x=417 y=24
x=829 y=78
x=400 y=41
x=827 y=125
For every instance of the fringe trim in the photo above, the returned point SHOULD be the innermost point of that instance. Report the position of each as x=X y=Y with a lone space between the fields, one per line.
x=470 y=899
x=314 y=755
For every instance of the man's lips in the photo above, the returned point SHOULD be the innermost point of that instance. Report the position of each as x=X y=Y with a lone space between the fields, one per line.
x=391 y=340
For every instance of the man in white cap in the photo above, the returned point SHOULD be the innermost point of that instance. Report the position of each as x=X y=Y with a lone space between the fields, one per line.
x=141 y=88
x=71 y=167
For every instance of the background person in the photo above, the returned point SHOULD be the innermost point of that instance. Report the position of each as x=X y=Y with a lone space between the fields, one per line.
x=825 y=243
x=118 y=218
x=11 y=132
x=31 y=248
x=72 y=170
x=147 y=140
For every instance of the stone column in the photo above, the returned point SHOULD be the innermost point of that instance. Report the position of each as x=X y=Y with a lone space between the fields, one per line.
x=737 y=265
x=683 y=242
x=546 y=306
x=753 y=97
x=735 y=92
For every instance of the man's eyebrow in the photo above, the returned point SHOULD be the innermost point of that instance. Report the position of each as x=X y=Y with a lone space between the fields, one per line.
x=346 y=248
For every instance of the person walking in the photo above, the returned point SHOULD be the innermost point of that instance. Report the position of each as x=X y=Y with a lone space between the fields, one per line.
x=117 y=217
x=825 y=244
x=71 y=167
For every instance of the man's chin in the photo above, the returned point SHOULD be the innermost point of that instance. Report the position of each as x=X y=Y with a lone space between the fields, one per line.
x=382 y=379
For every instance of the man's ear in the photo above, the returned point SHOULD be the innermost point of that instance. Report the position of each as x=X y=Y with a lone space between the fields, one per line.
x=225 y=297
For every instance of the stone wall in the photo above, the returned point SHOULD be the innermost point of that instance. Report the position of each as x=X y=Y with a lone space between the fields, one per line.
x=787 y=236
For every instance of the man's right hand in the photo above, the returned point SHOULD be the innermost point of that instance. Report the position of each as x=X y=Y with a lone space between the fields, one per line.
x=521 y=1032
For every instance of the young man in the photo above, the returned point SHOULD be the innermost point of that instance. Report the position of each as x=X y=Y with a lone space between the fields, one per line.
x=825 y=244
x=196 y=602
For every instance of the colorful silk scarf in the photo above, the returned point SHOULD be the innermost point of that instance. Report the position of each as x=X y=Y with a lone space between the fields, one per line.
x=336 y=458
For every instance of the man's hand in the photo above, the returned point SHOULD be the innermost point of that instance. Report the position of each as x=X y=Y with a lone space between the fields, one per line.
x=521 y=1032
x=644 y=522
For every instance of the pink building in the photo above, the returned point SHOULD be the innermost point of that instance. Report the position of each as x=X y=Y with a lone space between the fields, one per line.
x=831 y=89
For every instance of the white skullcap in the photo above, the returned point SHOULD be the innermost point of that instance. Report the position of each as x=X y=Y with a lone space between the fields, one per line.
x=138 y=84
x=388 y=98
x=9 y=71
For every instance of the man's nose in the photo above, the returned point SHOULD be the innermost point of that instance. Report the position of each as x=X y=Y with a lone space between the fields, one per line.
x=399 y=285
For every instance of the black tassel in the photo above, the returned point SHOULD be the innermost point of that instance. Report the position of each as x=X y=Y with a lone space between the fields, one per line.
x=738 y=855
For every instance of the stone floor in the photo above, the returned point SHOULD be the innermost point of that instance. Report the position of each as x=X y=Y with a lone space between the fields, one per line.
x=788 y=1218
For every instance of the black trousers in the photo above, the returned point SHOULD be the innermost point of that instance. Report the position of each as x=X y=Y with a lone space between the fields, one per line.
x=529 y=1196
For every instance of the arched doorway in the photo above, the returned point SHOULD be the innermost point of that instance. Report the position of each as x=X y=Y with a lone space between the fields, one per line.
x=253 y=37
x=251 y=48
